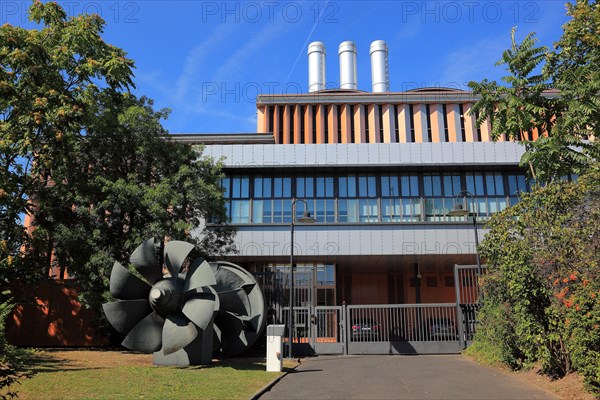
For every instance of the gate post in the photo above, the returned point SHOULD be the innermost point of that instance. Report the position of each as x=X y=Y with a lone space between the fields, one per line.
x=459 y=314
x=344 y=327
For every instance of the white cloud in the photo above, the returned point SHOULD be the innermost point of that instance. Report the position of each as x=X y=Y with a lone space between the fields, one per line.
x=474 y=61
x=200 y=56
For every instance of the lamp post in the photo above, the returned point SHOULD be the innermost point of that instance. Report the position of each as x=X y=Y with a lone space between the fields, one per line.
x=306 y=218
x=458 y=209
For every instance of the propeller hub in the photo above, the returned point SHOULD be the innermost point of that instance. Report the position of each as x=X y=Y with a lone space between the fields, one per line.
x=164 y=297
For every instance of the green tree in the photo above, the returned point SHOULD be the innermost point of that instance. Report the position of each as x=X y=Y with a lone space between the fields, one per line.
x=49 y=82
x=90 y=162
x=126 y=182
x=552 y=91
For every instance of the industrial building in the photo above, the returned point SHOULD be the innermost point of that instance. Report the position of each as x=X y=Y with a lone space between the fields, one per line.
x=379 y=171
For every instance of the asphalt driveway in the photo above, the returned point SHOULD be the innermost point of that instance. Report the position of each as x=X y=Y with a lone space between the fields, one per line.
x=400 y=377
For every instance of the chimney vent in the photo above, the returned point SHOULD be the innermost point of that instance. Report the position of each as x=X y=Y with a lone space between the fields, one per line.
x=316 y=66
x=379 y=67
x=347 y=53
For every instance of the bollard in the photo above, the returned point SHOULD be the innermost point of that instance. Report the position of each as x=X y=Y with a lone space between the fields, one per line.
x=275 y=348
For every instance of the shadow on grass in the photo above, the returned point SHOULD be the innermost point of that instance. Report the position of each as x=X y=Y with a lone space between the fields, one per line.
x=54 y=360
x=44 y=362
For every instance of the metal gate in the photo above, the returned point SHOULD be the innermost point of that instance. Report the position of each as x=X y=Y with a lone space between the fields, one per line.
x=442 y=328
x=329 y=330
x=316 y=330
x=467 y=300
x=402 y=329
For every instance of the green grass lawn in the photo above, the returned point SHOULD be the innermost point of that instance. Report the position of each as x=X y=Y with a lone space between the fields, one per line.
x=121 y=375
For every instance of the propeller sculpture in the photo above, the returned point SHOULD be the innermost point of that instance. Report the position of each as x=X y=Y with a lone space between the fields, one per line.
x=187 y=314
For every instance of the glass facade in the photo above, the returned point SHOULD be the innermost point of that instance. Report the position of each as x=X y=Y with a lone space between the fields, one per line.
x=369 y=198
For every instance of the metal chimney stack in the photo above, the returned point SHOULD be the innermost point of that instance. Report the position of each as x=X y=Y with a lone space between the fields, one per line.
x=316 y=66
x=347 y=53
x=380 y=78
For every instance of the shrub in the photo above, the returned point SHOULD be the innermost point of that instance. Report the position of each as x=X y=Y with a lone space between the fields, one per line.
x=542 y=298
x=11 y=358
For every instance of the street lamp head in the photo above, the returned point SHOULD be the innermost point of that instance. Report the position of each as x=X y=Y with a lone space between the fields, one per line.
x=306 y=218
x=458 y=210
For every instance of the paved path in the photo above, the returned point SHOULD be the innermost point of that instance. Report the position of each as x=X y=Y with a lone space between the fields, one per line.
x=400 y=377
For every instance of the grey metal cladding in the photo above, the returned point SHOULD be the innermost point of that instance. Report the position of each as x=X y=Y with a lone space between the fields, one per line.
x=332 y=240
x=358 y=155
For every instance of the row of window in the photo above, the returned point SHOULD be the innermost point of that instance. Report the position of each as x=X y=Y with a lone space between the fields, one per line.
x=373 y=185
x=368 y=210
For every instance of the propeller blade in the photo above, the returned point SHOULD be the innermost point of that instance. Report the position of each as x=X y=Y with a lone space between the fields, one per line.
x=235 y=301
x=177 y=333
x=232 y=336
x=145 y=261
x=126 y=286
x=200 y=274
x=124 y=315
x=146 y=336
x=176 y=252
x=227 y=279
x=200 y=310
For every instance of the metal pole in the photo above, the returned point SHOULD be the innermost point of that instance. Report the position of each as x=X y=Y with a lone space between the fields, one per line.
x=291 y=318
x=479 y=272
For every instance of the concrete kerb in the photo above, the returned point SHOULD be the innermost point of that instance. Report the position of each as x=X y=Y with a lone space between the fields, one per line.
x=269 y=385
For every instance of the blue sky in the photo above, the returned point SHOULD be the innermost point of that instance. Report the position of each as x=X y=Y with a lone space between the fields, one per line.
x=207 y=60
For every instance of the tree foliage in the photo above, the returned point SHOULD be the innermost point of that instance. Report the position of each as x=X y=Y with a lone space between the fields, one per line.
x=553 y=92
x=90 y=162
x=123 y=184
x=542 y=290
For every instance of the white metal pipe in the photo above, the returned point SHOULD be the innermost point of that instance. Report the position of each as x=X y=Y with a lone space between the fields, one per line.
x=380 y=79
x=316 y=66
x=347 y=54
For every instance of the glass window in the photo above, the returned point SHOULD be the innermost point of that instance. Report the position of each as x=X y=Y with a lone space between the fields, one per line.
x=258 y=187
x=367 y=186
x=240 y=211
x=330 y=210
x=329 y=186
x=343 y=186
x=368 y=210
x=257 y=211
x=516 y=184
x=287 y=187
x=225 y=183
x=347 y=210
x=391 y=210
x=494 y=184
x=451 y=185
x=389 y=186
x=235 y=187
x=352 y=186
x=304 y=187
x=268 y=187
x=320 y=186
x=475 y=183
x=411 y=210
x=282 y=187
x=325 y=275
x=240 y=186
x=432 y=185
x=278 y=187
x=347 y=186
x=410 y=185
